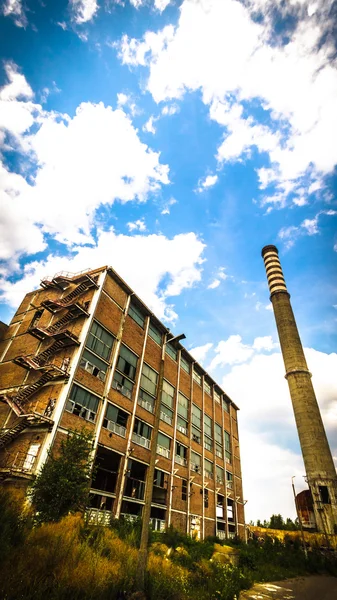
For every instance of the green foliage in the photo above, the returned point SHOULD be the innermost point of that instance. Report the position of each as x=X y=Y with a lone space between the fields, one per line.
x=277 y=522
x=12 y=525
x=62 y=486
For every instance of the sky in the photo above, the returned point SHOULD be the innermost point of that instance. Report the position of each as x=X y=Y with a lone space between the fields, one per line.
x=172 y=140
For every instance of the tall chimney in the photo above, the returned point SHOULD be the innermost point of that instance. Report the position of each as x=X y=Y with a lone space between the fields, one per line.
x=319 y=466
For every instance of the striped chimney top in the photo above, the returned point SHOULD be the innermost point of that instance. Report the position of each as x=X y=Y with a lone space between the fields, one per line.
x=274 y=272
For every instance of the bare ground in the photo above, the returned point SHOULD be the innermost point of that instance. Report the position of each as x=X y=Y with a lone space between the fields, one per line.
x=315 y=587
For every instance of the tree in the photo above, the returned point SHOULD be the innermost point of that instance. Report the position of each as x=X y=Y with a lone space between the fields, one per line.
x=62 y=486
x=276 y=522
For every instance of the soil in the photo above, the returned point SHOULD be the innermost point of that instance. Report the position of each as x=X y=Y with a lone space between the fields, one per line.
x=315 y=587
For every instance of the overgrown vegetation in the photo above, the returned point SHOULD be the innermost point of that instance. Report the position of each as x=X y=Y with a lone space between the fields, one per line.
x=62 y=486
x=70 y=559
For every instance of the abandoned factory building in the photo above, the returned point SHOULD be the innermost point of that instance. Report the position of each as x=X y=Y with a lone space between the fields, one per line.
x=85 y=350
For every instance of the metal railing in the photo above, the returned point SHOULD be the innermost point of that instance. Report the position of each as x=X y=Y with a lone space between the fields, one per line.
x=141 y=441
x=157 y=524
x=95 y=516
x=122 y=389
x=18 y=461
x=163 y=451
x=146 y=404
x=182 y=429
x=180 y=460
x=166 y=418
x=115 y=428
x=221 y=534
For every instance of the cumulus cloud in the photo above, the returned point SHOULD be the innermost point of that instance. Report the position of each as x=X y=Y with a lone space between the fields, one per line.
x=149 y=125
x=205 y=184
x=83 y=10
x=160 y=5
x=14 y=8
x=72 y=160
x=167 y=207
x=172 y=265
x=138 y=225
x=269 y=442
x=308 y=227
x=294 y=83
x=200 y=352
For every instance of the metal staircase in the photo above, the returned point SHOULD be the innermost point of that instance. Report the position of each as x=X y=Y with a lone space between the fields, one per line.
x=41 y=359
x=68 y=300
x=18 y=400
x=59 y=327
x=9 y=434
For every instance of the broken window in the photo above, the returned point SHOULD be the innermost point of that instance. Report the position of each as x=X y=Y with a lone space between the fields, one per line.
x=115 y=420
x=125 y=373
x=100 y=341
x=141 y=434
x=181 y=454
x=94 y=365
x=82 y=403
x=208 y=468
x=37 y=316
x=184 y=489
x=106 y=468
x=163 y=445
x=324 y=494
x=135 y=480
x=206 y=498
x=159 y=487
x=195 y=462
x=229 y=480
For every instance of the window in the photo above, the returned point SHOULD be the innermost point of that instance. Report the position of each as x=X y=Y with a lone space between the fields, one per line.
x=100 y=341
x=217 y=397
x=94 y=365
x=206 y=498
x=185 y=365
x=37 y=316
x=149 y=379
x=195 y=462
x=182 y=406
x=228 y=450
x=30 y=457
x=182 y=425
x=197 y=377
x=159 y=478
x=230 y=511
x=208 y=468
x=82 y=403
x=184 y=489
x=207 y=387
x=163 y=445
x=208 y=426
x=196 y=435
x=141 y=434
x=196 y=416
x=219 y=474
x=155 y=334
x=166 y=413
x=324 y=494
x=136 y=315
x=125 y=372
x=229 y=480
x=181 y=454
x=225 y=405
x=146 y=401
x=218 y=434
x=115 y=420
x=208 y=431
x=171 y=351
x=218 y=450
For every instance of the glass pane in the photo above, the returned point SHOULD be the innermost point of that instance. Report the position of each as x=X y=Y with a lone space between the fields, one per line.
x=136 y=315
x=94 y=360
x=163 y=440
x=154 y=334
x=185 y=365
x=172 y=352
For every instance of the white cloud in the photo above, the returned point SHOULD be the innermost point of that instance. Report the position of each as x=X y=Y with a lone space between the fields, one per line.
x=172 y=265
x=296 y=83
x=214 y=284
x=170 y=109
x=267 y=425
x=83 y=10
x=138 y=225
x=149 y=125
x=167 y=207
x=73 y=159
x=230 y=352
x=160 y=5
x=208 y=182
x=264 y=343
x=15 y=9
x=308 y=227
x=200 y=352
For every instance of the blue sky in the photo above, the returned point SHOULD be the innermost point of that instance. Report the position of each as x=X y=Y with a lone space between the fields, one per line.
x=173 y=140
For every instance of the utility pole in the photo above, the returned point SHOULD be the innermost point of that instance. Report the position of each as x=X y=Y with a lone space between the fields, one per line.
x=299 y=517
x=142 y=555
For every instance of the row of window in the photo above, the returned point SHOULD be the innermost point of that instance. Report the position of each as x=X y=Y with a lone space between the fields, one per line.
x=85 y=404
x=100 y=341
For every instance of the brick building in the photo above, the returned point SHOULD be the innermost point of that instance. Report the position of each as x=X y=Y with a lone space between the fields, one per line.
x=85 y=350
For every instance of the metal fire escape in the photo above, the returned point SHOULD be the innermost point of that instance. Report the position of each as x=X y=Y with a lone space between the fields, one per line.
x=60 y=338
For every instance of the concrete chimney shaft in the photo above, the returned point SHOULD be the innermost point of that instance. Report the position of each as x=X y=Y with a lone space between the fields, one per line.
x=319 y=466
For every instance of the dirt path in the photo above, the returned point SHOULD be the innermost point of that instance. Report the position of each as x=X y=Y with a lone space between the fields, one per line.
x=316 y=587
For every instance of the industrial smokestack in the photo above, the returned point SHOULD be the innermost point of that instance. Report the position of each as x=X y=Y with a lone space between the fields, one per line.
x=319 y=466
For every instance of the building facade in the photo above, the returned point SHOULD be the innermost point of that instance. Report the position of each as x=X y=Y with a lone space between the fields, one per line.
x=84 y=350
